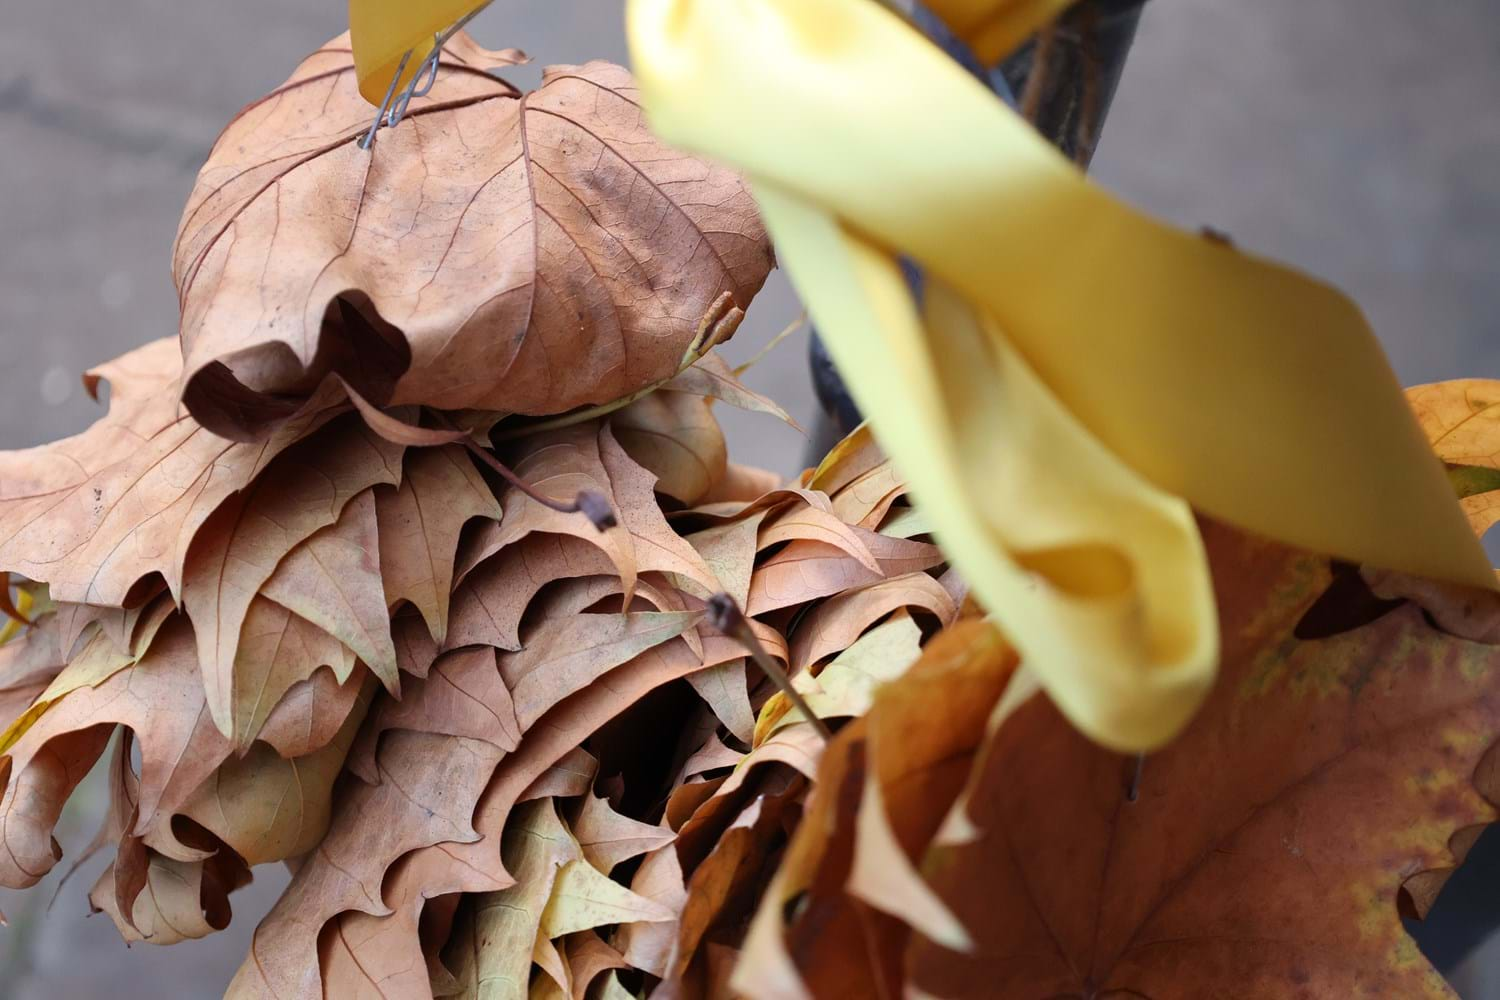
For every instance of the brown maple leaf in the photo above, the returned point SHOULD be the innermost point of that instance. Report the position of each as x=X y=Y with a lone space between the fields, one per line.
x=97 y=514
x=499 y=251
x=1327 y=786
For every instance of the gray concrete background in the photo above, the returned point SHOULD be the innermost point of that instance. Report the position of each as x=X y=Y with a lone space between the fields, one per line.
x=1357 y=138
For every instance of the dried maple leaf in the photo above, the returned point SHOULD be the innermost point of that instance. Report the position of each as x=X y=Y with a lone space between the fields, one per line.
x=1462 y=420
x=239 y=550
x=278 y=652
x=420 y=524
x=96 y=514
x=268 y=807
x=674 y=436
x=161 y=701
x=607 y=838
x=334 y=580
x=1327 y=786
x=464 y=254
x=834 y=625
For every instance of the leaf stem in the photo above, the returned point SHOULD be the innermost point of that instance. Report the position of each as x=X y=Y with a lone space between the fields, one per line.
x=592 y=504
x=725 y=615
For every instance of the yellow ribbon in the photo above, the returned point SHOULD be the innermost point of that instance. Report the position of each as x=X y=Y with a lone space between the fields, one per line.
x=382 y=31
x=1077 y=374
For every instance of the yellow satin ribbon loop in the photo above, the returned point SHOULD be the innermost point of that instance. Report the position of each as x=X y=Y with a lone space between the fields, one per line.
x=382 y=31
x=1078 y=367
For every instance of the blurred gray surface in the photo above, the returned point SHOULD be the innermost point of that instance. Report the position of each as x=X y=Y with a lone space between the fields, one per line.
x=1359 y=139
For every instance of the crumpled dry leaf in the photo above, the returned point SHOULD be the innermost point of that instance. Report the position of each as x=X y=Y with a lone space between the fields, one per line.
x=473 y=247
x=161 y=702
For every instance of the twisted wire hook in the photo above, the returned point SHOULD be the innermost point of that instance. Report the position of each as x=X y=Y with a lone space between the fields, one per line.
x=393 y=108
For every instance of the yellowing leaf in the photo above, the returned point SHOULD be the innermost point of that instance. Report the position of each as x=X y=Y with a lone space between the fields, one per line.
x=268 y=807
x=382 y=31
x=537 y=846
x=607 y=838
x=583 y=898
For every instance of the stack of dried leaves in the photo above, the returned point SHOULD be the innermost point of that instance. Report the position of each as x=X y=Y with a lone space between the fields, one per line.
x=323 y=575
x=335 y=607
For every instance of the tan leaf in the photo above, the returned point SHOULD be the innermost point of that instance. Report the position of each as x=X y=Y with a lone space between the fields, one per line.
x=385 y=952
x=160 y=700
x=428 y=786
x=494 y=233
x=181 y=900
x=725 y=690
x=814 y=525
x=675 y=437
x=868 y=499
x=269 y=808
x=463 y=695
x=712 y=756
x=34 y=799
x=489 y=604
x=333 y=580
x=565 y=655
x=658 y=548
x=238 y=549
x=419 y=528
x=712 y=378
x=560 y=465
x=803 y=572
x=729 y=551
x=588 y=958
x=608 y=838
x=583 y=898
x=95 y=514
x=279 y=652
x=570 y=775
x=310 y=715
x=837 y=622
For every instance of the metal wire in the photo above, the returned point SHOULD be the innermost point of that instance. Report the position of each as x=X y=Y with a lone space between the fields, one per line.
x=393 y=108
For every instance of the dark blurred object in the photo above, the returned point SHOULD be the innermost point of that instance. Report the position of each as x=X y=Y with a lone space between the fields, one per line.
x=1081 y=57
